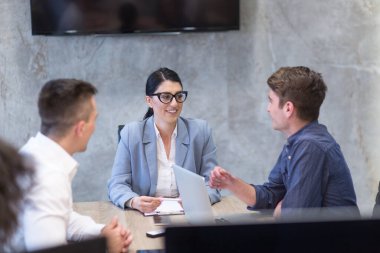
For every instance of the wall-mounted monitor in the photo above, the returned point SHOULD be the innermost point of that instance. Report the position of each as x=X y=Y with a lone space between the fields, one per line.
x=84 y=17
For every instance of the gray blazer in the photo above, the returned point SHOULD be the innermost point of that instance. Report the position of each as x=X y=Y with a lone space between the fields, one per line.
x=134 y=172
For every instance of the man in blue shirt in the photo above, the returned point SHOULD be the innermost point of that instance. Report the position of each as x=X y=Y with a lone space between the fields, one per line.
x=311 y=171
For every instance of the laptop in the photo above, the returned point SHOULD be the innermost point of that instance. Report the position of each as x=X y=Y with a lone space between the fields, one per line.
x=196 y=202
x=297 y=237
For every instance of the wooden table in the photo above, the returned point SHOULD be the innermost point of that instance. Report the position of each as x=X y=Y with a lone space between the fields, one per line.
x=102 y=212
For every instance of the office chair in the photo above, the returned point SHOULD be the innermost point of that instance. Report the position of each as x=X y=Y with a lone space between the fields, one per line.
x=376 y=208
x=96 y=245
x=119 y=128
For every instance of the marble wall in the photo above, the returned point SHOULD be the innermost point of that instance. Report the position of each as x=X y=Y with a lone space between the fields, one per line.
x=225 y=74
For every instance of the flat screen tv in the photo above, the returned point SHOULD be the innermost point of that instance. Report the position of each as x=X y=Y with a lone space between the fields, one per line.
x=84 y=17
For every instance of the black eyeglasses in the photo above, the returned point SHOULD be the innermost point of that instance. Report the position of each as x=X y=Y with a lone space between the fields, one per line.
x=166 y=97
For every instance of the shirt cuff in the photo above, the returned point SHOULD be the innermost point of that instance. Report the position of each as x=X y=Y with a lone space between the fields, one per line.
x=99 y=227
x=128 y=203
x=263 y=199
x=94 y=231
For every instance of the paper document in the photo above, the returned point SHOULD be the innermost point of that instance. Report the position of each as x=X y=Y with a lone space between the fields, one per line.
x=168 y=206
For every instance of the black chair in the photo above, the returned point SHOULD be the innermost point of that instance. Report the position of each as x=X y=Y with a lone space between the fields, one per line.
x=97 y=245
x=376 y=208
x=119 y=128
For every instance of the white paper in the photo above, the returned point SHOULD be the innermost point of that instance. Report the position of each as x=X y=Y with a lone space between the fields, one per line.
x=168 y=206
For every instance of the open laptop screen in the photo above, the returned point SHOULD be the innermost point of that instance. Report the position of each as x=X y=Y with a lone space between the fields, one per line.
x=195 y=199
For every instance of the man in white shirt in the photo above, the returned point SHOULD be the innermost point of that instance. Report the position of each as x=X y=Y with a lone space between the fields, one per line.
x=68 y=112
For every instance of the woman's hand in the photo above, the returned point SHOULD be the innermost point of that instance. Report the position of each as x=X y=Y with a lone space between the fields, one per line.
x=145 y=204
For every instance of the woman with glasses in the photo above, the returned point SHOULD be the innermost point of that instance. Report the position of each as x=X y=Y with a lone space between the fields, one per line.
x=142 y=172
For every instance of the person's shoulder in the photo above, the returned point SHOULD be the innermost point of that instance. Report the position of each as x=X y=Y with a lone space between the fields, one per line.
x=135 y=124
x=134 y=127
x=28 y=148
x=49 y=171
x=197 y=127
x=195 y=122
x=133 y=132
x=317 y=135
x=34 y=154
x=50 y=183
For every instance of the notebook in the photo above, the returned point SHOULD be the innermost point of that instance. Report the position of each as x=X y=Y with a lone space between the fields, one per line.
x=169 y=206
x=196 y=202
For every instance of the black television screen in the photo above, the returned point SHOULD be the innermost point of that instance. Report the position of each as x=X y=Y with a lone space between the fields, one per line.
x=74 y=17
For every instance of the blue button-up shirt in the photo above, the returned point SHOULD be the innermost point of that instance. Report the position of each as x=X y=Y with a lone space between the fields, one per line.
x=310 y=172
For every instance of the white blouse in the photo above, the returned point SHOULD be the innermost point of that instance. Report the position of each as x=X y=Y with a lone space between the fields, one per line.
x=166 y=184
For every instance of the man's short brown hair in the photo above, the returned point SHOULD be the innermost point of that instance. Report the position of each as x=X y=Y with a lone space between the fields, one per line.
x=62 y=103
x=301 y=86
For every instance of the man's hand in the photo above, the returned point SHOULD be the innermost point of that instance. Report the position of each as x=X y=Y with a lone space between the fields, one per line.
x=145 y=204
x=118 y=238
x=220 y=178
x=277 y=210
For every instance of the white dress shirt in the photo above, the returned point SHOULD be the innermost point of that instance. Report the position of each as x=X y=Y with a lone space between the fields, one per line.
x=166 y=184
x=49 y=219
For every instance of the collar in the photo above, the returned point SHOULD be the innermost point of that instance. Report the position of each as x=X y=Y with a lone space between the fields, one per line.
x=300 y=132
x=149 y=132
x=174 y=134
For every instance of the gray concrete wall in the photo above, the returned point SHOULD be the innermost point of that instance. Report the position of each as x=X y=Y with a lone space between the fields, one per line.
x=225 y=74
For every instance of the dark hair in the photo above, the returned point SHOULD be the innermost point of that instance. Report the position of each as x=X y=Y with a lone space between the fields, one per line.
x=154 y=81
x=15 y=180
x=62 y=103
x=301 y=86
